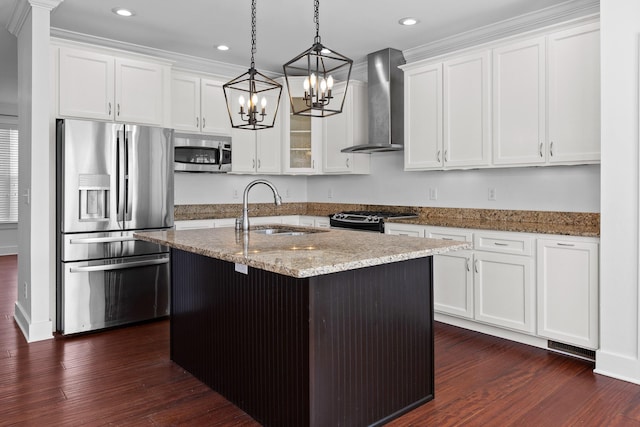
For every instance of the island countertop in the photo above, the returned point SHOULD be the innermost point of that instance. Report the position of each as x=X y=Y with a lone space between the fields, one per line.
x=317 y=252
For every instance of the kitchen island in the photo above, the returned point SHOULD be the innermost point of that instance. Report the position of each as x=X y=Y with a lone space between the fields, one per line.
x=328 y=327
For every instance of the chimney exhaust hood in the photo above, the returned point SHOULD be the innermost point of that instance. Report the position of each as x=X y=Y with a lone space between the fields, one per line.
x=386 y=103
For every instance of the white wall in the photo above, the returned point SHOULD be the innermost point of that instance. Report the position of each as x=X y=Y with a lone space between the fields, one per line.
x=619 y=353
x=556 y=188
x=210 y=188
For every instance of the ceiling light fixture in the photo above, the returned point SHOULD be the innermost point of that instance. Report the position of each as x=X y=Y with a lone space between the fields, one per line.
x=123 y=12
x=252 y=85
x=316 y=70
x=222 y=47
x=408 y=21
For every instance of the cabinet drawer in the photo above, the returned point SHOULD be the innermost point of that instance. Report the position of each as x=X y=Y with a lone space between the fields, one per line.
x=404 y=230
x=510 y=243
x=449 y=234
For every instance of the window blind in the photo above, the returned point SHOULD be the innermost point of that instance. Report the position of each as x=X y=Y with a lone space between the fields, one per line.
x=8 y=174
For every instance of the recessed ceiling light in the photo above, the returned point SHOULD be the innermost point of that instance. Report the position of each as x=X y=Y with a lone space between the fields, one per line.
x=408 y=21
x=122 y=12
x=222 y=47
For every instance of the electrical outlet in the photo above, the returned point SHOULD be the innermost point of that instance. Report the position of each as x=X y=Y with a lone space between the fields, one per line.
x=492 y=194
x=235 y=193
x=330 y=193
x=26 y=294
x=287 y=193
x=433 y=193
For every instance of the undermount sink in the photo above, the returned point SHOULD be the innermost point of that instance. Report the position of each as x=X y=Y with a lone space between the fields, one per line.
x=286 y=231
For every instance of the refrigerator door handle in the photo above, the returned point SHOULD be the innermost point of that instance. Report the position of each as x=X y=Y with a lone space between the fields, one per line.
x=118 y=175
x=90 y=240
x=109 y=267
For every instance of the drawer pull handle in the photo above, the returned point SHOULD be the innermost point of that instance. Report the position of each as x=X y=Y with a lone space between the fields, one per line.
x=566 y=244
x=500 y=244
x=447 y=238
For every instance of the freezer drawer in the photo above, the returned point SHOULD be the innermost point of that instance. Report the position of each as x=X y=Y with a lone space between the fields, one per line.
x=98 y=245
x=99 y=294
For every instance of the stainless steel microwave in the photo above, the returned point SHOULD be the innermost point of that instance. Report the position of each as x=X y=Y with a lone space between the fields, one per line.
x=202 y=153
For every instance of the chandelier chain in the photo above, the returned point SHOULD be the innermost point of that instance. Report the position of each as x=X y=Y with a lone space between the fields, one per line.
x=316 y=19
x=253 y=32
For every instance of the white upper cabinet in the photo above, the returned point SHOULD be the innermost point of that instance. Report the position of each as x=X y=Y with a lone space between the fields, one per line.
x=574 y=95
x=86 y=84
x=257 y=151
x=519 y=103
x=139 y=91
x=423 y=118
x=526 y=102
x=198 y=105
x=346 y=129
x=94 y=85
x=466 y=111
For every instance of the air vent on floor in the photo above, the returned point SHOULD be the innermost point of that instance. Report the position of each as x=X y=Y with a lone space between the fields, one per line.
x=572 y=350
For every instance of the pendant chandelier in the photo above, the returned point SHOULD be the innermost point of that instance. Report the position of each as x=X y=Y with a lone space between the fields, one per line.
x=252 y=98
x=312 y=75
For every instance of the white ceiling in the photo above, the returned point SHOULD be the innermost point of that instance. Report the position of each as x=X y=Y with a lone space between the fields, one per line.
x=284 y=27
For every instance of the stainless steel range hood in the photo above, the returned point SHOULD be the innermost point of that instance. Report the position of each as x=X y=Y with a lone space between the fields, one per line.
x=386 y=103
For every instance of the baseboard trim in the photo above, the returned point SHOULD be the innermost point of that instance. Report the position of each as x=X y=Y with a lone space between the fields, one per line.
x=32 y=331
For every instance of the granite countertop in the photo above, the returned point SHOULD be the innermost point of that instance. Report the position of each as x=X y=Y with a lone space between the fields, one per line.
x=320 y=251
x=586 y=224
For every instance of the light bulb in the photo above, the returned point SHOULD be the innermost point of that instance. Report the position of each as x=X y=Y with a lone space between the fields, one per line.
x=330 y=82
x=263 y=103
x=254 y=99
x=323 y=85
x=305 y=84
x=241 y=100
x=313 y=80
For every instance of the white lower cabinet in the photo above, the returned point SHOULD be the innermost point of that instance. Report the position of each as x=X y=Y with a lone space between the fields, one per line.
x=453 y=284
x=504 y=290
x=568 y=291
x=530 y=286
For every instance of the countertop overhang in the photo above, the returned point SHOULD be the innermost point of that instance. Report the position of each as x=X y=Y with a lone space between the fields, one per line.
x=321 y=251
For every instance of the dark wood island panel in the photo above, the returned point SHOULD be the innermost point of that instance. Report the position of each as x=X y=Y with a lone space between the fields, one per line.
x=351 y=348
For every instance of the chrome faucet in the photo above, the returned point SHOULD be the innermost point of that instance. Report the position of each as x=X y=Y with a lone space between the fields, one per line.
x=245 y=202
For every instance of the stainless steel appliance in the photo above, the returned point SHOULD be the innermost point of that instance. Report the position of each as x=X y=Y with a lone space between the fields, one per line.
x=202 y=153
x=366 y=220
x=385 y=87
x=112 y=180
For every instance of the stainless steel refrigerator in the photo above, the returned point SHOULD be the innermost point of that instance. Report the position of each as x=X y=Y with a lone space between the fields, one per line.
x=112 y=180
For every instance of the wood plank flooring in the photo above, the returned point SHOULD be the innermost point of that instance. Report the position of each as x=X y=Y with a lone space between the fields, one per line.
x=123 y=377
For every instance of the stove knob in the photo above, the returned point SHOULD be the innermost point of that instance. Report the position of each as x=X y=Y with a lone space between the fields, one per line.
x=369 y=218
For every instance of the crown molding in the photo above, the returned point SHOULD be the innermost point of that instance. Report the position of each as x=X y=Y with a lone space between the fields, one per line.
x=179 y=61
x=21 y=10
x=576 y=10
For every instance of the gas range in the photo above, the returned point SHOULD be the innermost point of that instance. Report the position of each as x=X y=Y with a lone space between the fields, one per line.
x=366 y=220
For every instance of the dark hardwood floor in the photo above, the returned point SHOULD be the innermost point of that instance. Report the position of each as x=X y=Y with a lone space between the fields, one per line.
x=124 y=377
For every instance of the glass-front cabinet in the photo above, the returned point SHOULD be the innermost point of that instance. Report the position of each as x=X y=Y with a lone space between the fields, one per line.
x=302 y=136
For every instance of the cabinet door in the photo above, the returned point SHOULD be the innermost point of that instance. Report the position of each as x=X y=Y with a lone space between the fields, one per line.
x=568 y=292
x=574 y=95
x=423 y=118
x=214 y=114
x=519 y=103
x=86 y=82
x=243 y=151
x=453 y=283
x=139 y=92
x=338 y=134
x=268 y=143
x=185 y=102
x=504 y=291
x=466 y=111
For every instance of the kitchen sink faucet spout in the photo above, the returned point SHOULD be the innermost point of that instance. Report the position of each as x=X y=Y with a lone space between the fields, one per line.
x=245 y=200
